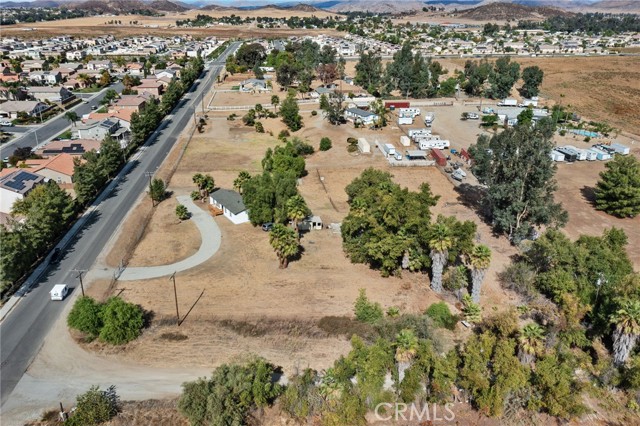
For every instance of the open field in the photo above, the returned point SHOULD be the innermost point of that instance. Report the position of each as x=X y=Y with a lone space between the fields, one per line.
x=242 y=287
x=601 y=88
x=165 y=25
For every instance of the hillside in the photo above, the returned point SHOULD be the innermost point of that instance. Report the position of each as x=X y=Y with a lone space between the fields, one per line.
x=377 y=6
x=167 y=6
x=112 y=6
x=510 y=12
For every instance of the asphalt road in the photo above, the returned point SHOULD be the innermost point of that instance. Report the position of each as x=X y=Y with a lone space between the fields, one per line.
x=24 y=329
x=34 y=135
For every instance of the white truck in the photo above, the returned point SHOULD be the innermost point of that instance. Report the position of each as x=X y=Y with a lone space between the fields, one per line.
x=428 y=118
x=59 y=292
x=509 y=103
x=389 y=149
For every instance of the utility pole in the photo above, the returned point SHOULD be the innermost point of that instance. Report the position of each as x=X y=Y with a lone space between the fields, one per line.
x=175 y=294
x=150 y=175
x=79 y=276
x=195 y=122
x=202 y=101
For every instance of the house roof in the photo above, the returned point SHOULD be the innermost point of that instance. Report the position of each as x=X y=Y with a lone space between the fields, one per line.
x=130 y=100
x=72 y=147
x=360 y=112
x=16 y=106
x=231 y=200
x=61 y=163
x=20 y=181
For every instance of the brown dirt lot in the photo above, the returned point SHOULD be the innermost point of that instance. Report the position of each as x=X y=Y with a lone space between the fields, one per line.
x=601 y=88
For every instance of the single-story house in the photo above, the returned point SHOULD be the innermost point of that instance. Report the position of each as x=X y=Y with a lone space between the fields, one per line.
x=170 y=74
x=11 y=109
x=322 y=91
x=51 y=94
x=254 y=85
x=231 y=204
x=99 y=65
x=359 y=115
x=16 y=186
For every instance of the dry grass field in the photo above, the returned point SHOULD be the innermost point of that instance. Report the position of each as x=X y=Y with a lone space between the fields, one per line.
x=164 y=25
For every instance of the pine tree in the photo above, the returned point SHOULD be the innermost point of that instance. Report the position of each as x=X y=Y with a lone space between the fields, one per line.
x=618 y=191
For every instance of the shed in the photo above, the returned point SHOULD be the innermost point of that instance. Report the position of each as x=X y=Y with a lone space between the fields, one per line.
x=416 y=154
x=439 y=157
x=364 y=146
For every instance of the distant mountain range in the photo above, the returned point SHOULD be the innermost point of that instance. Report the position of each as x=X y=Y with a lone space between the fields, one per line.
x=376 y=6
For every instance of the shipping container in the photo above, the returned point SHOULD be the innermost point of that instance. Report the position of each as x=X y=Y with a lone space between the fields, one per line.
x=439 y=157
x=397 y=104
x=405 y=141
x=556 y=156
x=405 y=120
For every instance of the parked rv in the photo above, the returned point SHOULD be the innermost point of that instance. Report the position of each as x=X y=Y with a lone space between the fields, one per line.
x=428 y=118
x=409 y=112
x=620 y=149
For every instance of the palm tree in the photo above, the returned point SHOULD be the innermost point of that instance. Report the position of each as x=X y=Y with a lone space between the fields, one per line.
x=625 y=335
x=531 y=343
x=205 y=184
x=297 y=209
x=275 y=101
x=479 y=261
x=284 y=242
x=242 y=178
x=440 y=241
x=85 y=79
x=71 y=116
x=406 y=349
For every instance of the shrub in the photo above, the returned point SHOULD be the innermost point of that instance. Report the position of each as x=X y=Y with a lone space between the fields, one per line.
x=441 y=315
x=365 y=310
x=195 y=195
x=283 y=134
x=587 y=139
x=393 y=312
x=325 y=144
x=259 y=127
x=85 y=317
x=562 y=132
x=301 y=147
x=314 y=113
x=157 y=190
x=122 y=321
x=95 y=407
x=182 y=212
x=472 y=311
x=232 y=117
x=519 y=277
x=230 y=394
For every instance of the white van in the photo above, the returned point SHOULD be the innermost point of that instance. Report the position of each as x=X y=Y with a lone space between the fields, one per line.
x=59 y=291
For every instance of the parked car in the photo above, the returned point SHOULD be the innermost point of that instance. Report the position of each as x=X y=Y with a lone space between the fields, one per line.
x=93 y=107
x=55 y=256
x=266 y=227
x=6 y=123
x=473 y=116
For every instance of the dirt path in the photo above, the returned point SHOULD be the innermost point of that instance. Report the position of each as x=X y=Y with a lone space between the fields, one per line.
x=211 y=239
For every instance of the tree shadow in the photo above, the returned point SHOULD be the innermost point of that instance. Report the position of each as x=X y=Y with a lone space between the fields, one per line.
x=473 y=196
x=589 y=194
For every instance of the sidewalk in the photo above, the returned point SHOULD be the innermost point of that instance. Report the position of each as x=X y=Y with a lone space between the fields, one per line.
x=211 y=238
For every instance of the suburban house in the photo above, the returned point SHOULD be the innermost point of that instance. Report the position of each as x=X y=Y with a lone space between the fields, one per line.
x=70 y=146
x=170 y=74
x=51 y=94
x=134 y=103
x=135 y=68
x=254 y=85
x=231 y=204
x=97 y=129
x=15 y=186
x=76 y=55
x=46 y=77
x=29 y=66
x=150 y=86
x=99 y=65
x=58 y=168
x=359 y=115
x=65 y=72
x=13 y=94
x=123 y=116
x=11 y=109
